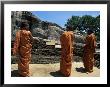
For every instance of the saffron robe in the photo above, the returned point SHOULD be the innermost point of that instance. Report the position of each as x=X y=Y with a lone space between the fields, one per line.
x=23 y=46
x=66 y=53
x=89 y=49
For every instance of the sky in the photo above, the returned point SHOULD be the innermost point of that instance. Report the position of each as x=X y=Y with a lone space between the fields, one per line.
x=60 y=17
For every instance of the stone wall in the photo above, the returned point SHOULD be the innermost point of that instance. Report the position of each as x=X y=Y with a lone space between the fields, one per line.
x=46 y=56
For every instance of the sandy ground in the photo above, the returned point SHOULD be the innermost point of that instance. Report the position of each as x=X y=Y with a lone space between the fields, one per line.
x=51 y=70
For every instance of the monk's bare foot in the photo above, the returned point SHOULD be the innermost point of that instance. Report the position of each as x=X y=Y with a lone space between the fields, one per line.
x=89 y=71
x=67 y=75
x=30 y=75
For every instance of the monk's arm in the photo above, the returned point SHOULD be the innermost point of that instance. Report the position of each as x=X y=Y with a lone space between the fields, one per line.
x=16 y=43
x=62 y=37
x=31 y=38
x=87 y=41
x=93 y=43
x=72 y=40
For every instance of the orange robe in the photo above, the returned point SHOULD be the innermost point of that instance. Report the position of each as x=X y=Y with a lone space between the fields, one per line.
x=89 y=49
x=67 y=53
x=23 y=46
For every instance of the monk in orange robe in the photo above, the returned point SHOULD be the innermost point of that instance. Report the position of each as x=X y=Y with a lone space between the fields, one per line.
x=22 y=47
x=66 y=51
x=89 y=49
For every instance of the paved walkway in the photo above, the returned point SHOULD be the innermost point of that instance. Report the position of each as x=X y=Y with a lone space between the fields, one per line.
x=51 y=70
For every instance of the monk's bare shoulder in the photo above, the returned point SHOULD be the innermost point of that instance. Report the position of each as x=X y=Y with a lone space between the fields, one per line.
x=29 y=33
x=18 y=32
x=64 y=33
x=72 y=33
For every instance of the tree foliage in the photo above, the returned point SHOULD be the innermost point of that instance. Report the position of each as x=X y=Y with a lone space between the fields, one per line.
x=84 y=23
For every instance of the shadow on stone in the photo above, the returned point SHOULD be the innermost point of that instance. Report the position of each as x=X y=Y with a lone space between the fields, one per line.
x=81 y=69
x=57 y=74
x=15 y=73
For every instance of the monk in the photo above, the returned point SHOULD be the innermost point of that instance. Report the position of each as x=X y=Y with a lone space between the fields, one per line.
x=66 y=40
x=89 y=49
x=22 y=47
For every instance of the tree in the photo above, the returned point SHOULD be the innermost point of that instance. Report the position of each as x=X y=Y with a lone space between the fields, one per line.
x=73 y=21
x=84 y=23
x=97 y=27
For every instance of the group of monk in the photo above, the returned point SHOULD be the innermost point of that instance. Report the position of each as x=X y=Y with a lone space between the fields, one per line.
x=67 y=46
x=23 y=46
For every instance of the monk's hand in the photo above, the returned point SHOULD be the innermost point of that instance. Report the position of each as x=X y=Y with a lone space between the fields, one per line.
x=14 y=52
x=84 y=45
x=94 y=61
x=72 y=48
